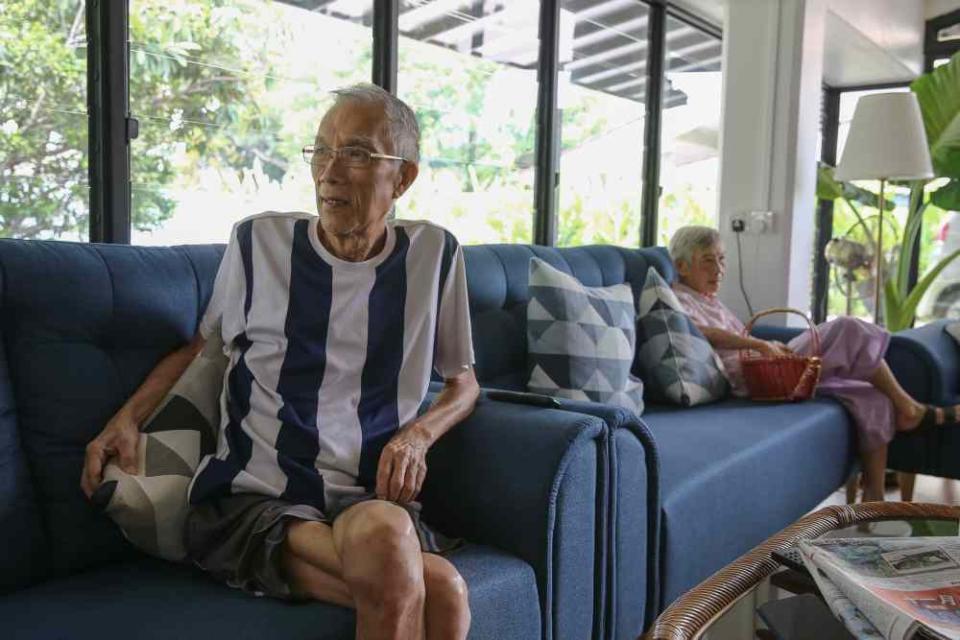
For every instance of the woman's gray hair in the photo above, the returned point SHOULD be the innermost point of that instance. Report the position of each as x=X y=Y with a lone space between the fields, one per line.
x=688 y=239
x=401 y=120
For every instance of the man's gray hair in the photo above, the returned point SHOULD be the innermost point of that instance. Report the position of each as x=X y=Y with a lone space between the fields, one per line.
x=690 y=238
x=401 y=120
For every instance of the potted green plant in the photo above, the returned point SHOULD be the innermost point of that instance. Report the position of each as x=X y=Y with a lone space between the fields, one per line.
x=938 y=93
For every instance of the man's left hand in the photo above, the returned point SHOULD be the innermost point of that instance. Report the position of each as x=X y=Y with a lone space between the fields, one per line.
x=403 y=465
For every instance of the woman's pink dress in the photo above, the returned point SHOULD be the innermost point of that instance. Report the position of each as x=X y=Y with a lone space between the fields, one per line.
x=850 y=349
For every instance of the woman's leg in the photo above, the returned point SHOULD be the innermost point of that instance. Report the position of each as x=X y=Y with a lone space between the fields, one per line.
x=853 y=349
x=909 y=411
x=874 y=468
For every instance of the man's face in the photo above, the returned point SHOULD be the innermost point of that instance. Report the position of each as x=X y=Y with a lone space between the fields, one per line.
x=705 y=271
x=350 y=199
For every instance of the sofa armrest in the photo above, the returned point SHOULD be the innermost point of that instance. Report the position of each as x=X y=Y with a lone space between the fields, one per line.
x=633 y=524
x=926 y=361
x=770 y=332
x=524 y=479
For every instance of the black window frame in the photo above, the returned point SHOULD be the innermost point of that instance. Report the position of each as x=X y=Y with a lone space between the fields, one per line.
x=111 y=127
x=932 y=51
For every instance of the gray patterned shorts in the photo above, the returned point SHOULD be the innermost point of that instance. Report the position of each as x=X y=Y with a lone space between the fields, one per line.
x=238 y=538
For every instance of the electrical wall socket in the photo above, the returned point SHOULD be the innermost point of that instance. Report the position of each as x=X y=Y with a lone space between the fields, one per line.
x=761 y=222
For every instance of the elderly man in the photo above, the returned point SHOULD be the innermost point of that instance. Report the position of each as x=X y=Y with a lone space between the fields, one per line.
x=332 y=325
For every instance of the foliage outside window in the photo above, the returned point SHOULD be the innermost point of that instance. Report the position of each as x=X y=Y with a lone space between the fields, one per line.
x=227 y=93
x=601 y=100
x=471 y=77
x=44 y=188
x=689 y=157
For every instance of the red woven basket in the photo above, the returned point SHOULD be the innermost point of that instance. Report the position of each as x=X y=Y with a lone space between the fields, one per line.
x=781 y=378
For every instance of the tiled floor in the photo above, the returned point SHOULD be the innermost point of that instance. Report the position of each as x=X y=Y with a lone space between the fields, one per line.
x=927 y=489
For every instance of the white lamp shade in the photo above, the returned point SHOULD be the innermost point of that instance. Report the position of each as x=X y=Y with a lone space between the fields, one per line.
x=886 y=140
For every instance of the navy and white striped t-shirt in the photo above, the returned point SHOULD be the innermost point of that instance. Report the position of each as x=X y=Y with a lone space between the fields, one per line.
x=327 y=358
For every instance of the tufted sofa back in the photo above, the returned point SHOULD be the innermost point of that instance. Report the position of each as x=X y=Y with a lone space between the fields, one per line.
x=497 y=277
x=81 y=326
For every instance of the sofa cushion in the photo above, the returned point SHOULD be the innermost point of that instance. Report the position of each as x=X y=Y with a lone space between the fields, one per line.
x=498 y=280
x=581 y=339
x=674 y=359
x=22 y=538
x=150 y=506
x=734 y=473
x=151 y=599
x=83 y=325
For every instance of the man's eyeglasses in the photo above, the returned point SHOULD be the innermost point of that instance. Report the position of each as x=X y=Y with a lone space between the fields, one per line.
x=321 y=154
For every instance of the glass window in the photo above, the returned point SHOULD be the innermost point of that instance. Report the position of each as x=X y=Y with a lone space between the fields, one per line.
x=44 y=187
x=602 y=88
x=227 y=93
x=949 y=34
x=469 y=70
x=689 y=156
x=855 y=220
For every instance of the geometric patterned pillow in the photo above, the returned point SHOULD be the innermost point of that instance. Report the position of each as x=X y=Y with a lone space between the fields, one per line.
x=150 y=507
x=676 y=362
x=580 y=340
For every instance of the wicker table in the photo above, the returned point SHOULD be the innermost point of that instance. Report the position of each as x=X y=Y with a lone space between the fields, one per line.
x=707 y=610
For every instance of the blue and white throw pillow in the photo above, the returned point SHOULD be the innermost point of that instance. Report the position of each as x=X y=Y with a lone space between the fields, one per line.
x=675 y=360
x=581 y=339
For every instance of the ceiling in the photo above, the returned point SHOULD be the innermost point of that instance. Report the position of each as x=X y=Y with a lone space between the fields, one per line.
x=603 y=43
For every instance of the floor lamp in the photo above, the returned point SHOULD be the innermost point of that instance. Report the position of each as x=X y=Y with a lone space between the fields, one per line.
x=887 y=141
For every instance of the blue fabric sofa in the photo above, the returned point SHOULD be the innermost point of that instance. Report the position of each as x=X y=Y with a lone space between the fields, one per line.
x=584 y=522
x=721 y=478
x=83 y=324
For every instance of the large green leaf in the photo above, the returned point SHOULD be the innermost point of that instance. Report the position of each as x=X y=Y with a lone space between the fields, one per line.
x=947 y=197
x=939 y=95
x=906 y=309
x=829 y=188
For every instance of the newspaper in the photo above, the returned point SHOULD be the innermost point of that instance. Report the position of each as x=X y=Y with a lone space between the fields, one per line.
x=893 y=588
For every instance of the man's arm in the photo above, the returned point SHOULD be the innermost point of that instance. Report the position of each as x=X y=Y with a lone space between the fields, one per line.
x=119 y=437
x=403 y=463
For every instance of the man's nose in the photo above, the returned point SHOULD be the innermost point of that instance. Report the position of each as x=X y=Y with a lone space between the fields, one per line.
x=331 y=170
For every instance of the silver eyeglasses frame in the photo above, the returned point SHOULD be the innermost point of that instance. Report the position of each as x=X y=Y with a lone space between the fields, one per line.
x=310 y=150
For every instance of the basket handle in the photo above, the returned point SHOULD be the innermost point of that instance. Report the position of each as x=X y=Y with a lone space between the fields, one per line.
x=813 y=327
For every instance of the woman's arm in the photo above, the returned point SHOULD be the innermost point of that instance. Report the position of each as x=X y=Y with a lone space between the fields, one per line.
x=723 y=339
x=403 y=463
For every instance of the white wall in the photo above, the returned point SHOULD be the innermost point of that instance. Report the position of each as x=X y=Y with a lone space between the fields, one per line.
x=773 y=67
x=936 y=8
x=890 y=30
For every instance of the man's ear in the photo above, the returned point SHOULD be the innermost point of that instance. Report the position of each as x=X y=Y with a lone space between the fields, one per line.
x=683 y=268
x=408 y=173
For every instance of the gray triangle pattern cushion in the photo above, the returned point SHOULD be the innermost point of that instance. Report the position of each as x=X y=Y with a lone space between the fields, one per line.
x=675 y=360
x=580 y=340
x=150 y=506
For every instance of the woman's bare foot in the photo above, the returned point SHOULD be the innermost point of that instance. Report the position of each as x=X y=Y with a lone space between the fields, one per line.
x=930 y=417
x=909 y=418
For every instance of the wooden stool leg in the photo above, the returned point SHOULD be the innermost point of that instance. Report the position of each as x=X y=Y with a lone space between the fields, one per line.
x=907 y=482
x=853 y=483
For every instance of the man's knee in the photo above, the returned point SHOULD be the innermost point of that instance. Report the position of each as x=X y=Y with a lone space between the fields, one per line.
x=446 y=589
x=379 y=526
x=381 y=555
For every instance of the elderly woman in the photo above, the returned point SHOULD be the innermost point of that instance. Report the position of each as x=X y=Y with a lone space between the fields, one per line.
x=333 y=324
x=853 y=369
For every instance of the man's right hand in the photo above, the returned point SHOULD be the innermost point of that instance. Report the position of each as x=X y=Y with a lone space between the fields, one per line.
x=119 y=438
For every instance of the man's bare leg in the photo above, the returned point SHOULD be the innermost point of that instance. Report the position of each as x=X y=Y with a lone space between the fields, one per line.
x=311 y=563
x=447 y=608
x=313 y=566
x=383 y=568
